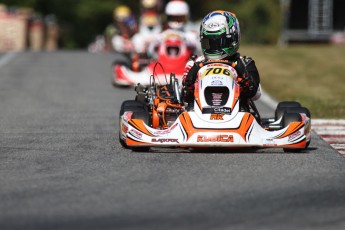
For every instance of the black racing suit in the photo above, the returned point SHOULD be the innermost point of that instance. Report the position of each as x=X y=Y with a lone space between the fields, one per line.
x=249 y=78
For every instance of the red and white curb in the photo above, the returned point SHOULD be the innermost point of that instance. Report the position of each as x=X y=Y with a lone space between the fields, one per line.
x=332 y=131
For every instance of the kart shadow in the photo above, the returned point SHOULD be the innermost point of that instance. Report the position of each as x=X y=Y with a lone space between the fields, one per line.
x=122 y=87
x=229 y=151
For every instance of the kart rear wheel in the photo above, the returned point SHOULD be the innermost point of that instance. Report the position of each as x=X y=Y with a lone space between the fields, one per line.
x=288 y=104
x=283 y=106
x=131 y=104
x=298 y=110
x=291 y=117
x=287 y=119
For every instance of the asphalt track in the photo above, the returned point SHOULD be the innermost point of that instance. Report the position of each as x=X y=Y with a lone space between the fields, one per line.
x=61 y=166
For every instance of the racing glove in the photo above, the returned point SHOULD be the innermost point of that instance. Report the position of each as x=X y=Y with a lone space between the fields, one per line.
x=245 y=83
x=187 y=68
x=188 y=80
x=244 y=79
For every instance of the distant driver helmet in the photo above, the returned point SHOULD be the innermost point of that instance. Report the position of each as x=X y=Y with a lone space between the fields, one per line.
x=121 y=13
x=177 y=13
x=150 y=19
x=149 y=4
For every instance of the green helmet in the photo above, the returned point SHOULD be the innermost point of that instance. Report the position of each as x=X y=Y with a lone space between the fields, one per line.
x=219 y=35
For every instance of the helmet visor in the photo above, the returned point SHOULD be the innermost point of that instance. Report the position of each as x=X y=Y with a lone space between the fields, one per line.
x=177 y=18
x=216 y=44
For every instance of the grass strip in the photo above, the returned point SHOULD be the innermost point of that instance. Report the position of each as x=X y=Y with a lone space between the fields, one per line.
x=314 y=75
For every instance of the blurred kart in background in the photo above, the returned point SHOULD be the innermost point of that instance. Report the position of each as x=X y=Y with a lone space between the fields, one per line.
x=172 y=55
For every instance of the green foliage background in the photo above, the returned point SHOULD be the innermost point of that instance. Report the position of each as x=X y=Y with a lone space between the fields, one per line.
x=82 y=20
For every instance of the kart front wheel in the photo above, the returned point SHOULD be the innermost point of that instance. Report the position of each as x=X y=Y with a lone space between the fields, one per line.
x=287 y=119
x=142 y=114
x=129 y=105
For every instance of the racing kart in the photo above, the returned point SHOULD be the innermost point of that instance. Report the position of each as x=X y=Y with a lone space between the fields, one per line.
x=172 y=55
x=218 y=117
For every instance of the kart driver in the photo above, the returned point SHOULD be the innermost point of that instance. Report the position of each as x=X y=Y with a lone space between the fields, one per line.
x=177 y=16
x=220 y=41
x=150 y=27
x=125 y=27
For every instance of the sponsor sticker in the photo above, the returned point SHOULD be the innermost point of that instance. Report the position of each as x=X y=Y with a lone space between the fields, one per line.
x=215 y=138
x=217 y=110
x=217 y=83
x=222 y=110
x=165 y=131
x=164 y=140
x=216 y=117
x=294 y=135
x=136 y=133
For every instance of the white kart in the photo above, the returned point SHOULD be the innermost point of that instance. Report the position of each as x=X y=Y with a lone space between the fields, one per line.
x=217 y=118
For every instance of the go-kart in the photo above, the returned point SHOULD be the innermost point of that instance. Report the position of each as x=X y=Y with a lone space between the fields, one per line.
x=218 y=117
x=172 y=54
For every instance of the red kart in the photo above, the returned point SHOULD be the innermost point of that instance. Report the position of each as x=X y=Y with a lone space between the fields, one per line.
x=173 y=54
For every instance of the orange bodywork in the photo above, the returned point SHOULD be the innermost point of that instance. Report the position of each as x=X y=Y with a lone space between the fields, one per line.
x=293 y=127
x=139 y=125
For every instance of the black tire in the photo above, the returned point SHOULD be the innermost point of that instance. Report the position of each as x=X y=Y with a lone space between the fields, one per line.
x=298 y=110
x=130 y=105
x=140 y=111
x=283 y=106
x=287 y=119
x=123 y=143
x=142 y=114
x=301 y=110
x=140 y=149
x=291 y=117
x=288 y=104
